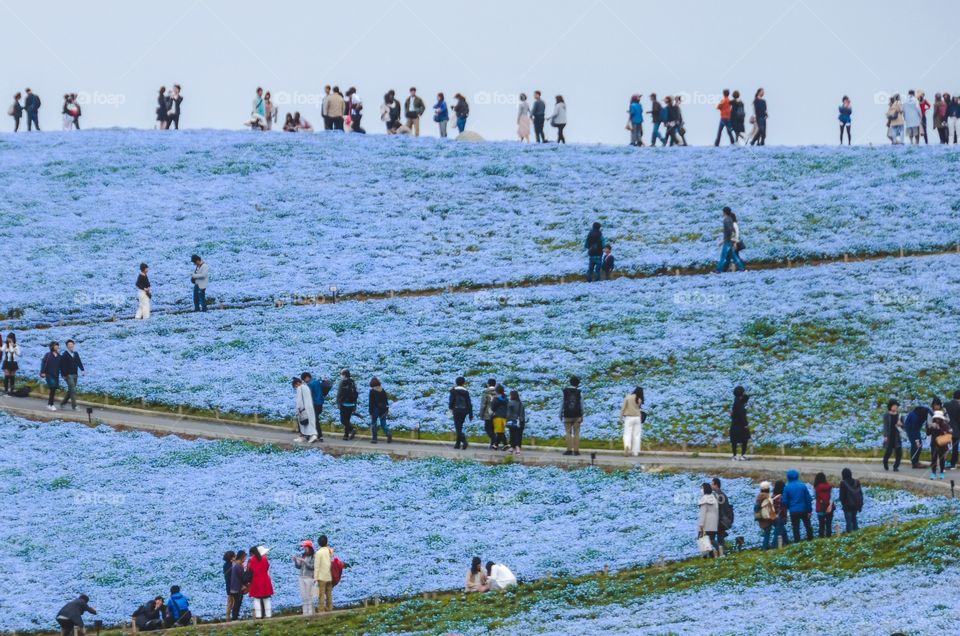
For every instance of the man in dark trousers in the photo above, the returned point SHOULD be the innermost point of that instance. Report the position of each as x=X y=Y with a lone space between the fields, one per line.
x=50 y=372
x=571 y=414
x=347 y=403
x=539 y=114
x=726 y=515
x=594 y=247
x=150 y=616
x=461 y=407
x=486 y=409
x=175 y=99
x=70 y=366
x=32 y=105
x=892 y=442
x=70 y=616
x=953 y=412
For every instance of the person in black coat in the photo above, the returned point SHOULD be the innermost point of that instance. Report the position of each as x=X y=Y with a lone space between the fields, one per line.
x=760 y=113
x=594 y=247
x=379 y=406
x=739 y=428
x=173 y=110
x=70 y=616
x=163 y=121
x=32 y=105
x=953 y=412
x=151 y=615
x=50 y=372
x=16 y=111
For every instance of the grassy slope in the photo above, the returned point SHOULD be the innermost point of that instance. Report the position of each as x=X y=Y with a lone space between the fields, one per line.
x=931 y=542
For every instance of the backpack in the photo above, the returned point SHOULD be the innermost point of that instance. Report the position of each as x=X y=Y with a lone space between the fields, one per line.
x=460 y=401
x=856 y=495
x=336 y=571
x=571 y=402
x=247 y=577
x=22 y=392
x=349 y=391
x=726 y=513
x=765 y=511
x=325 y=386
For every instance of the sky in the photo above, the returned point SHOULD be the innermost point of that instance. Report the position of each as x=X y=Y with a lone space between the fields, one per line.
x=806 y=54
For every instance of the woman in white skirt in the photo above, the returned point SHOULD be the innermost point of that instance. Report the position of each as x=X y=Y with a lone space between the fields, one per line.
x=144 y=294
x=632 y=415
x=523 y=119
x=308 y=587
x=306 y=414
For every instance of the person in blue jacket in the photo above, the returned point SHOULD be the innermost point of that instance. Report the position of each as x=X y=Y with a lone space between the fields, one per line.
x=636 y=121
x=178 y=609
x=441 y=114
x=799 y=503
x=914 y=426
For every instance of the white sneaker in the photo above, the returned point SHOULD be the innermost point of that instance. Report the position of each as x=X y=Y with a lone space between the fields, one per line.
x=51 y=407
x=743 y=458
x=299 y=439
x=311 y=439
x=735 y=458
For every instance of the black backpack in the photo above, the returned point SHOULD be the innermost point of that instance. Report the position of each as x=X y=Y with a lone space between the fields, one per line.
x=571 y=403
x=856 y=495
x=325 y=386
x=460 y=401
x=349 y=391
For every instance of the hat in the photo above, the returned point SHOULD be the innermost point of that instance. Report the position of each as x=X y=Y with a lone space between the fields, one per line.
x=764 y=485
x=262 y=549
x=307 y=544
x=938 y=415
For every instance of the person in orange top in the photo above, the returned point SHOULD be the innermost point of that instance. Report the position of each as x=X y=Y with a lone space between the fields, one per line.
x=725 y=107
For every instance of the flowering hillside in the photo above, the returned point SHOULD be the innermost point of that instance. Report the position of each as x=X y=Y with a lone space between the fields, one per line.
x=819 y=348
x=286 y=217
x=140 y=513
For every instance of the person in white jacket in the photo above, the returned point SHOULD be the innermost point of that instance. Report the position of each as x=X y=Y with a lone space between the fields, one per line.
x=499 y=576
x=709 y=519
x=306 y=415
x=10 y=352
x=632 y=414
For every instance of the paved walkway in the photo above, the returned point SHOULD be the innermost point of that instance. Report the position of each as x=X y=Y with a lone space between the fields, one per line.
x=194 y=427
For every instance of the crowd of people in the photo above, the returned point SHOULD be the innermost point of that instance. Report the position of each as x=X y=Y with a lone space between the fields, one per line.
x=910 y=117
x=939 y=422
x=168 y=108
x=776 y=505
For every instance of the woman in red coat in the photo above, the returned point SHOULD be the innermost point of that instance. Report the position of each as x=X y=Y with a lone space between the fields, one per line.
x=824 y=505
x=261 y=587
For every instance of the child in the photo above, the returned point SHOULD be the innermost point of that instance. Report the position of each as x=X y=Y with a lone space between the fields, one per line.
x=606 y=264
x=516 y=421
x=501 y=406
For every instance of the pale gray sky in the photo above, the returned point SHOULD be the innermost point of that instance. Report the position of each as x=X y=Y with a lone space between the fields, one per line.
x=805 y=53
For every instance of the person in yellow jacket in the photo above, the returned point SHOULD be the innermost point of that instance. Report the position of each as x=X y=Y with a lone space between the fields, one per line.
x=322 y=559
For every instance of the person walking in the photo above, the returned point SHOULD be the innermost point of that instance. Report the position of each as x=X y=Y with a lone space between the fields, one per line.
x=558 y=119
x=739 y=427
x=895 y=121
x=539 y=114
x=941 y=439
x=952 y=409
x=75 y=111
x=66 y=113
x=16 y=111
x=70 y=366
x=655 y=112
x=709 y=520
x=200 y=279
x=318 y=394
x=258 y=111
x=823 y=493
x=379 y=407
x=765 y=513
x=914 y=425
x=911 y=117
x=953 y=119
x=594 y=246
x=501 y=409
x=668 y=115
x=730 y=242
x=681 y=126
x=738 y=115
x=924 y=107
x=31 y=104
x=851 y=499
x=892 y=441
x=516 y=421
x=799 y=503
x=486 y=410
x=261 y=586
x=413 y=108
x=846 y=118
x=306 y=414
x=461 y=407
x=10 y=353
x=940 y=117
x=571 y=414
x=726 y=512
x=239 y=582
x=304 y=562
x=323 y=573
x=347 y=403
x=780 y=524
x=390 y=113
x=50 y=372
x=355 y=110
x=441 y=115
x=144 y=294
x=70 y=616
x=635 y=117
x=228 y=558
x=523 y=119
x=632 y=414
x=726 y=109
x=462 y=110
x=760 y=115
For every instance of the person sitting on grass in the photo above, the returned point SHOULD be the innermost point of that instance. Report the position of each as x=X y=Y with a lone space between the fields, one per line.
x=499 y=576
x=178 y=608
x=150 y=616
x=476 y=579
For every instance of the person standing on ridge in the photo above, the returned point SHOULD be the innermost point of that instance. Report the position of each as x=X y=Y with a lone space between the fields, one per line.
x=32 y=105
x=461 y=407
x=892 y=441
x=539 y=114
x=70 y=366
x=413 y=108
x=760 y=114
x=200 y=279
x=635 y=118
x=726 y=109
x=571 y=414
x=846 y=119
x=347 y=403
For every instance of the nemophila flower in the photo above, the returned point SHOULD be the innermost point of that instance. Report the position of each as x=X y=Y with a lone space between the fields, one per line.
x=819 y=350
x=284 y=218
x=122 y=516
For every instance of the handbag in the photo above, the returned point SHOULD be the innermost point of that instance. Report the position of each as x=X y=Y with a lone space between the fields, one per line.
x=944 y=440
x=741 y=245
x=704 y=544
